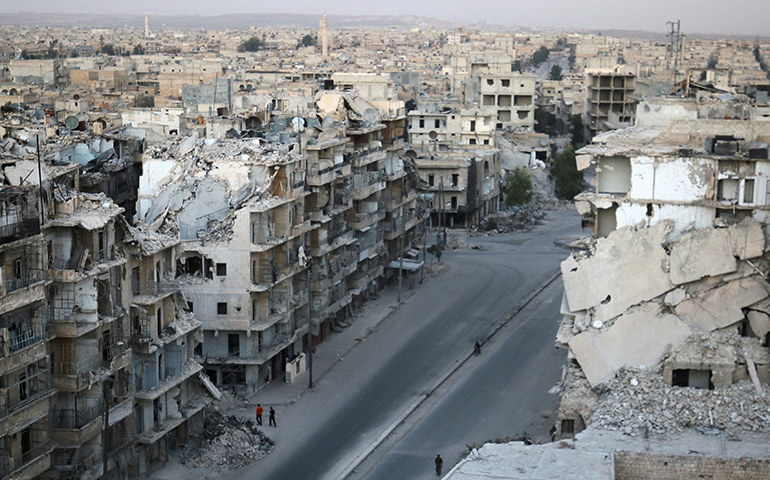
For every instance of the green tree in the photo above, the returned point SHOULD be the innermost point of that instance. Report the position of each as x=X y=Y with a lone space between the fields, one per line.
x=555 y=72
x=250 y=45
x=308 y=41
x=516 y=67
x=540 y=56
x=107 y=49
x=138 y=49
x=519 y=188
x=577 y=131
x=713 y=60
x=567 y=179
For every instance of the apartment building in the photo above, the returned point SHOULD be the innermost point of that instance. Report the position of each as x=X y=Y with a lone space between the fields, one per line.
x=610 y=102
x=25 y=361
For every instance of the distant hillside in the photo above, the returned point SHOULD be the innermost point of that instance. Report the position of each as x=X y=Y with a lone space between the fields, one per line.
x=219 y=22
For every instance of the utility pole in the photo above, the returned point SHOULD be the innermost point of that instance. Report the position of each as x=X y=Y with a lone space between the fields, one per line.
x=401 y=252
x=310 y=347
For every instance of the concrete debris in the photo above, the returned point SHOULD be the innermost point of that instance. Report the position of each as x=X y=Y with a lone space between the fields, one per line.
x=688 y=263
x=228 y=443
x=722 y=306
x=655 y=407
x=609 y=286
x=639 y=337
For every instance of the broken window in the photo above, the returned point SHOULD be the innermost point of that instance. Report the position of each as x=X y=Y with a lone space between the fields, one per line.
x=455 y=179
x=614 y=175
x=727 y=189
x=692 y=378
x=490 y=82
x=506 y=82
x=221 y=269
x=568 y=427
x=422 y=123
x=431 y=179
x=473 y=125
x=437 y=124
x=472 y=141
x=233 y=344
x=221 y=308
x=454 y=203
x=748 y=191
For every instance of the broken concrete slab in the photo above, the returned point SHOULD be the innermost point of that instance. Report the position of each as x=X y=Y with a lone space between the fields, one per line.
x=626 y=268
x=702 y=253
x=747 y=239
x=760 y=323
x=675 y=297
x=721 y=306
x=641 y=336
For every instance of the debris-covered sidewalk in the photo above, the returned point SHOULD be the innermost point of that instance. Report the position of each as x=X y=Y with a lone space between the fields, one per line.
x=227 y=443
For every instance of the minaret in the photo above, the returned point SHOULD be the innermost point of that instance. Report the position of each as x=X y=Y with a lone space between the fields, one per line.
x=146 y=25
x=324 y=26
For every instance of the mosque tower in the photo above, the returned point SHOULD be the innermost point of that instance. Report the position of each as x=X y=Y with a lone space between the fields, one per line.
x=324 y=27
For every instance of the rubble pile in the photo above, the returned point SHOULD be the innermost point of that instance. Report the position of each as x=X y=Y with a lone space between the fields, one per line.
x=513 y=219
x=228 y=443
x=637 y=401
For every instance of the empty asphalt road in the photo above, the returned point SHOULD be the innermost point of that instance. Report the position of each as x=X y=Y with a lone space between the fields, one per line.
x=402 y=364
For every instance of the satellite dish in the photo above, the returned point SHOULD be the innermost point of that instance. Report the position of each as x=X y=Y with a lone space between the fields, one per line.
x=76 y=96
x=371 y=115
x=298 y=123
x=543 y=142
x=410 y=154
x=433 y=135
x=328 y=122
x=71 y=122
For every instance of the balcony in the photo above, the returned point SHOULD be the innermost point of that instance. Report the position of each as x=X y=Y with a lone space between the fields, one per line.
x=147 y=293
x=72 y=465
x=365 y=184
x=364 y=155
x=365 y=219
x=76 y=426
x=120 y=436
x=30 y=464
x=27 y=226
x=13 y=284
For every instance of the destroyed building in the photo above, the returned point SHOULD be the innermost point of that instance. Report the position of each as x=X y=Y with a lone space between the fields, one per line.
x=666 y=316
x=75 y=400
x=233 y=203
x=310 y=217
x=165 y=336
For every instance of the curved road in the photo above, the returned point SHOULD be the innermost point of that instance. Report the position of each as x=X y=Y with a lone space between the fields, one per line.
x=403 y=362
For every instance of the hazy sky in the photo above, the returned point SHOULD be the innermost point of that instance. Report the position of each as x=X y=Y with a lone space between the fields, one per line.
x=744 y=17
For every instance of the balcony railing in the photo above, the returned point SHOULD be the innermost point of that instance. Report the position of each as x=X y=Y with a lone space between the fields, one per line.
x=68 y=418
x=156 y=288
x=26 y=338
x=23 y=281
x=71 y=465
x=363 y=180
x=27 y=227
x=121 y=435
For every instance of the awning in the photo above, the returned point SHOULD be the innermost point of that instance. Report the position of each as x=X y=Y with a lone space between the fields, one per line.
x=408 y=265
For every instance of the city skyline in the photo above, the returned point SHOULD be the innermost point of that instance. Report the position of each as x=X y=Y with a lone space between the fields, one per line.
x=743 y=18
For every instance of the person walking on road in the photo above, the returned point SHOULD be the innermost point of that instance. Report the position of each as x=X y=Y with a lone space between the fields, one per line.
x=439 y=464
x=259 y=414
x=271 y=419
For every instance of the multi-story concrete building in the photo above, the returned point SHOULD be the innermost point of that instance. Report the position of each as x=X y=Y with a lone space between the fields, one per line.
x=511 y=98
x=464 y=185
x=25 y=362
x=609 y=102
x=165 y=336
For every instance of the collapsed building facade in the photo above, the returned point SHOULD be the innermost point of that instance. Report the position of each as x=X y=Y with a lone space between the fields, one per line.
x=666 y=308
x=73 y=393
x=308 y=217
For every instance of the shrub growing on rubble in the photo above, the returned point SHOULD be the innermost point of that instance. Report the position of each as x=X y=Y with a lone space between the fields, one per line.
x=519 y=188
x=567 y=179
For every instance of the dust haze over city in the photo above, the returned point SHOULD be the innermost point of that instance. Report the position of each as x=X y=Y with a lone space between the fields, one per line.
x=354 y=241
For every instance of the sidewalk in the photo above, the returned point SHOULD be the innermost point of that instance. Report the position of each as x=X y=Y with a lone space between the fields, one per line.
x=336 y=346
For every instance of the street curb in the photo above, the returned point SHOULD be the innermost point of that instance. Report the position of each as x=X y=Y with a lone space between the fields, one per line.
x=444 y=377
x=393 y=309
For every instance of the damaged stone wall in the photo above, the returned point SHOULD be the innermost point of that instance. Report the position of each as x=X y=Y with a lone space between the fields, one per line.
x=647 y=314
